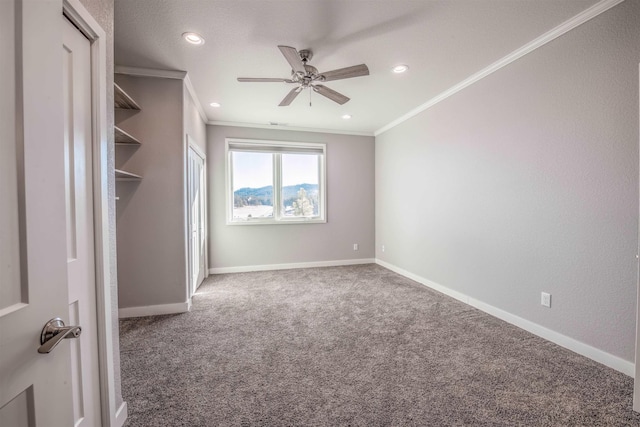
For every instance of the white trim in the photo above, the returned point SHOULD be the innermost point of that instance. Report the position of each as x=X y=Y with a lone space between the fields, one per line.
x=290 y=128
x=636 y=382
x=150 y=72
x=154 y=310
x=192 y=92
x=185 y=215
x=291 y=266
x=271 y=147
x=165 y=74
x=121 y=415
x=83 y=20
x=547 y=37
x=540 y=41
x=206 y=218
x=193 y=145
x=574 y=345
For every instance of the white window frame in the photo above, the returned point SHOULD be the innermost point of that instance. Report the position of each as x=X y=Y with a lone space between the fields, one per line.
x=276 y=148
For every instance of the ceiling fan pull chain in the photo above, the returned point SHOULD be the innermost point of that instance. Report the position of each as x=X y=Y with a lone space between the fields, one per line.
x=310 y=97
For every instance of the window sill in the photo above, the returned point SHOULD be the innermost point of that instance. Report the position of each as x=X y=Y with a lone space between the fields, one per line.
x=278 y=222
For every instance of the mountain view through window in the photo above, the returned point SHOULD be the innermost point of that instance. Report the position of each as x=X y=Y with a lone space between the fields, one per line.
x=253 y=184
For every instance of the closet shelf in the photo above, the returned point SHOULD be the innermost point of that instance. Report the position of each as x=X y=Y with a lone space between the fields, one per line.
x=126 y=176
x=122 y=100
x=123 y=138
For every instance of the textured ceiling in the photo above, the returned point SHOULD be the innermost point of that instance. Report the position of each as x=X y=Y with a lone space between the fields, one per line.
x=442 y=41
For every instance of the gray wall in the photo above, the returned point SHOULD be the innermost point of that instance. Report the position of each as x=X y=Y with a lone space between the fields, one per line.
x=102 y=12
x=193 y=123
x=527 y=181
x=150 y=213
x=350 y=206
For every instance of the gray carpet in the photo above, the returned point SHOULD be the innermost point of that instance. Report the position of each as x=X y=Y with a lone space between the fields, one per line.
x=353 y=346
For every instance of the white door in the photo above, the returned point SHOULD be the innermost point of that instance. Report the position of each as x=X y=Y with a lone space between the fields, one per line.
x=196 y=205
x=35 y=389
x=76 y=60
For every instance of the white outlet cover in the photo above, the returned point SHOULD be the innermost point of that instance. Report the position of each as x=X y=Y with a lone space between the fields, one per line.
x=545 y=299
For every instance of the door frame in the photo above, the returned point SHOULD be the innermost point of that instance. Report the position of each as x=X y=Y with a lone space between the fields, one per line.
x=636 y=378
x=112 y=416
x=191 y=144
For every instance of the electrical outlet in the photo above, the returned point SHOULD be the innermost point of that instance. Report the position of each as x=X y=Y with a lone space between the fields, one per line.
x=355 y=246
x=382 y=248
x=545 y=299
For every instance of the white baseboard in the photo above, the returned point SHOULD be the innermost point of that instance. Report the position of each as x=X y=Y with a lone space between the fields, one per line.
x=154 y=310
x=576 y=346
x=121 y=415
x=248 y=268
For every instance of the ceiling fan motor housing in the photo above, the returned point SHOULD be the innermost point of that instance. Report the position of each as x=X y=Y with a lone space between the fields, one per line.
x=311 y=75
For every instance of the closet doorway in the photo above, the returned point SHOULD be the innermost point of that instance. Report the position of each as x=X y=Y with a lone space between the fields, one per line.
x=196 y=206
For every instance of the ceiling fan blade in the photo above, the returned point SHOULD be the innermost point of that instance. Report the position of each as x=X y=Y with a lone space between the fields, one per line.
x=331 y=94
x=290 y=96
x=260 y=79
x=293 y=58
x=346 y=73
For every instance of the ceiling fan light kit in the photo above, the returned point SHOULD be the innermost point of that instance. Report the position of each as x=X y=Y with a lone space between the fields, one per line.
x=306 y=76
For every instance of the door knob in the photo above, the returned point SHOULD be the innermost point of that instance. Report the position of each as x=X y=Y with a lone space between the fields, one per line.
x=53 y=332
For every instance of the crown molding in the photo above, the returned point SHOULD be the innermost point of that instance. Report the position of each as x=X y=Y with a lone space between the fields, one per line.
x=194 y=97
x=289 y=128
x=165 y=74
x=579 y=19
x=547 y=37
x=150 y=72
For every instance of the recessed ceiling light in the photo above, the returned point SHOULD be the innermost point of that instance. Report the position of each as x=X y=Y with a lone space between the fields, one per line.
x=346 y=116
x=193 y=38
x=400 y=68
x=215 y=104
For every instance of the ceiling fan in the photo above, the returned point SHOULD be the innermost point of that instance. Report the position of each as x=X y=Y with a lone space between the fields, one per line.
x=306 y=76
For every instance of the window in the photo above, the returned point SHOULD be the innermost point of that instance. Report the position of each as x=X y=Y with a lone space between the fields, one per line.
x=275 y=182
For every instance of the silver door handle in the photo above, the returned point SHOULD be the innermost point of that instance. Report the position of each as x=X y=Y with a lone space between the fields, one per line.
x=53 y=332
